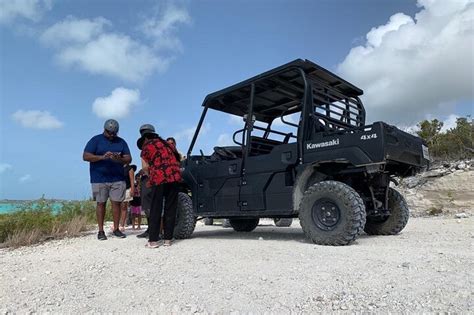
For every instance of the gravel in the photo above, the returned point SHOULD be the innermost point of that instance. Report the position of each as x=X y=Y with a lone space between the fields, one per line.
x=427 y=268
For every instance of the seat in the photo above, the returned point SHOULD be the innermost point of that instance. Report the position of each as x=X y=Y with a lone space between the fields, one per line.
x=260 y=146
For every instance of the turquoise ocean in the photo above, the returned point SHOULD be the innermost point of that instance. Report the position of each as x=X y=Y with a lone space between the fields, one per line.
x=10 y=207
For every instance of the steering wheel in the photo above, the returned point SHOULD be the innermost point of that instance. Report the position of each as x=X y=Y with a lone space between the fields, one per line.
x=225 y=153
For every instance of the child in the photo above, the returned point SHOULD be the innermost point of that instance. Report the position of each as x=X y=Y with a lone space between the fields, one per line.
x=136 y=208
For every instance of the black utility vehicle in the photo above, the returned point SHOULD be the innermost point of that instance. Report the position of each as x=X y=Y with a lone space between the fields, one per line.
x=304 y=151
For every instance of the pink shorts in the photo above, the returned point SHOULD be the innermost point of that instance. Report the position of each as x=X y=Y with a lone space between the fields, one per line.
x=136 y=210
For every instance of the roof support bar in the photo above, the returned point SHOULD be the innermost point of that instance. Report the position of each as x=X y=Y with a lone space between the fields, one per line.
x=249 y=126
x=198 y=128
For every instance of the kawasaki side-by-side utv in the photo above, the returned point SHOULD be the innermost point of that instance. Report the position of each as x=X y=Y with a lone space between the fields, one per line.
x=303 y=151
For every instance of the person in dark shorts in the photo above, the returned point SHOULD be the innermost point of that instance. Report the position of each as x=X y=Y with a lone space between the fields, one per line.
x=161 y=161
x=136 y=207
x=107 y=153
x=129 y=173
x=145 y=195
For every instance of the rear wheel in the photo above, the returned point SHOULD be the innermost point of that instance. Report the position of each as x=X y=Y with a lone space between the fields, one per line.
x=332 y=213
x=283 y=222
x=185 y=219
x=395 y=222
x=244 y=225
x=226 y=223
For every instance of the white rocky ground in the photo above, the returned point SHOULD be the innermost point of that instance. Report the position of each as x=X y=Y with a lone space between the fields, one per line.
x=427 y=268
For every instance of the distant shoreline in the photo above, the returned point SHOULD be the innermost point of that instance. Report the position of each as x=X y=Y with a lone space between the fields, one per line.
x=29 y=200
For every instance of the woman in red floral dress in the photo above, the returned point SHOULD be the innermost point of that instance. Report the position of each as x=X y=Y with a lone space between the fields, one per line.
x=161 y=161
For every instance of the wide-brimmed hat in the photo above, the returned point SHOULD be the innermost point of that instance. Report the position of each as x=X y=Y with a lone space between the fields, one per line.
x=148 y=134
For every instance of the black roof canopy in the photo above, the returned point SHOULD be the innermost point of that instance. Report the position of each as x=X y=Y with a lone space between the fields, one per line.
x=278 y=91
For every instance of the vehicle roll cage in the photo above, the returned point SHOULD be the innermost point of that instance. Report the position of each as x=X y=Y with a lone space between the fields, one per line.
x=327 y=103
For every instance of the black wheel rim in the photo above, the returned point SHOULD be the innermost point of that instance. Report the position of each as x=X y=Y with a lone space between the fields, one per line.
x=326 y=214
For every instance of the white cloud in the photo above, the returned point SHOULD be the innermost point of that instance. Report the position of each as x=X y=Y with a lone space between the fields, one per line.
x=92 y=46
x=411 y=68
x=33 y=10
x=114 y=55
x=225 y=139
x=188 y=133
x=36 y=119
x=409 y=129
x=236 y=120
x=449 y=122
x=292 y=119
x=117 y=105
x=25 y=178
x=73 y=30
x=4 y=167
x=163 y=26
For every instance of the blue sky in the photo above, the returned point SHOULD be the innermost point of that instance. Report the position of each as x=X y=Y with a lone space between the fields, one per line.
x=67 y=66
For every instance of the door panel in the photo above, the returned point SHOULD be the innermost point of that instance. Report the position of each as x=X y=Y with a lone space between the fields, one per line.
x=218 y=186
x=267 y=182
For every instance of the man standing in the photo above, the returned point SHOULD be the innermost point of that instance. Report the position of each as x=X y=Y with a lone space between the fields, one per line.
x=107 y=153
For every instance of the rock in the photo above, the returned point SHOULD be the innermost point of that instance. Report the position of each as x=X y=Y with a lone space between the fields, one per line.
x=260 y=238
x=175 y=309
x=435 y=173
x=461 y=215
x=406 y=265
x=461 y=166
x=414 y=181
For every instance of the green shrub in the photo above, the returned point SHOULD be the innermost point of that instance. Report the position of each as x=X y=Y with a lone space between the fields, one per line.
x=434 y=210
x=455 y=143
x=41 y=219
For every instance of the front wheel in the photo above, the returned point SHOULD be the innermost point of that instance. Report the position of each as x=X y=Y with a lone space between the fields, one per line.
x=244 y=225
x=332 y=213
x=185 y=219
x=395 y=222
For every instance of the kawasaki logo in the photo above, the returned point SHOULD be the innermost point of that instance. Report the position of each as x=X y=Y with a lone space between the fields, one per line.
x=310 y=146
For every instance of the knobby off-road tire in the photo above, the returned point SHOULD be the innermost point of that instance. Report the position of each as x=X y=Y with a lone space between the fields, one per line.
x=244 y=225
x=208 y=221
x=332 y=213
x=393 y=224
x=185 y=219
x=283 y=222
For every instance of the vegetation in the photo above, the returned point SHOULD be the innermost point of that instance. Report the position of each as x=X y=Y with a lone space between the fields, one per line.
x=455 y=143
x=435 y=210
x=42 y=219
